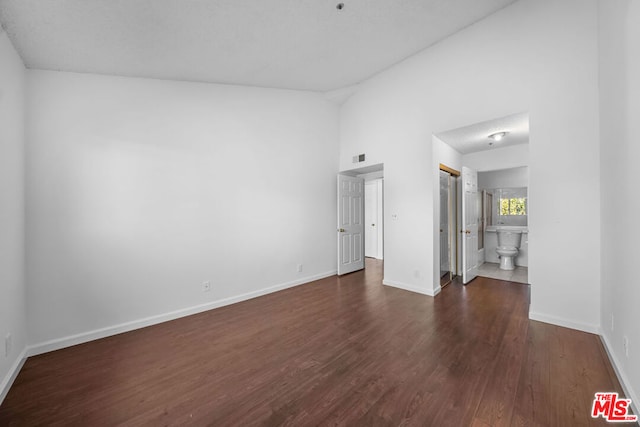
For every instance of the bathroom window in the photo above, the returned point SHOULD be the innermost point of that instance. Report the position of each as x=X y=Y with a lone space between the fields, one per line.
x=513 y=206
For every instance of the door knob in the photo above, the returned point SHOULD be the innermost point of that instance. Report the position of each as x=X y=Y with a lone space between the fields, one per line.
x=373 y=225
x=341 y=230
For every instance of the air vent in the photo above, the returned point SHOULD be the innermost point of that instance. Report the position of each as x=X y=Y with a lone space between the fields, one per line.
x=358 y=159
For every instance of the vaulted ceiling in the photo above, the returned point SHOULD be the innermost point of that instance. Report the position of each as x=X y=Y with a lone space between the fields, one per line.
x=295 y=44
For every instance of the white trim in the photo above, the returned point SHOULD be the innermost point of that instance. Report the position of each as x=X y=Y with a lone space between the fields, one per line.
x=83 y=337
x=8 y=380
x=406 y=287
x=624 y=380
x=437 y=290
x=566 y=323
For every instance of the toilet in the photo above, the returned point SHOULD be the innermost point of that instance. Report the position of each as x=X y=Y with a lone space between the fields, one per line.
x=508 y=244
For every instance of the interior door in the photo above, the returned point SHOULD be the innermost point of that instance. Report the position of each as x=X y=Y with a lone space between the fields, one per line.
x=371 y=219
x=350 y=224
x=469 y=224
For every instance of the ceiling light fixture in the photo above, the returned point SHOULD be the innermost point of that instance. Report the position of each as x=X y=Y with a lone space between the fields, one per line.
x=497 y=136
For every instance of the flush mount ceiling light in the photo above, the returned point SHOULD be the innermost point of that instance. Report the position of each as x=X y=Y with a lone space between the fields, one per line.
x=497 y=136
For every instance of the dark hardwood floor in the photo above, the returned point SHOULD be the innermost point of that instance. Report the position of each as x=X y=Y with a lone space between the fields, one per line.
x=338 y=351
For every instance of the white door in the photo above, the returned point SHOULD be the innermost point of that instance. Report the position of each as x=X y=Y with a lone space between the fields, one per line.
x=469 y=224
x=371 y=219
x=350 y=224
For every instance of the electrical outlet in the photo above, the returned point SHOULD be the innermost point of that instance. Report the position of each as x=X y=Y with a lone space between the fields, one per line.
x=206 y=286
x=611 y=322
x=299 y=268
x=7 y=345
x=625 y=345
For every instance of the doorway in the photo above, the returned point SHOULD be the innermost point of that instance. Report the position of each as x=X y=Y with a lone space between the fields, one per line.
x=448 y=225
x=493 y=156
x=506 y=196
x=373 y=226
x=360 y=211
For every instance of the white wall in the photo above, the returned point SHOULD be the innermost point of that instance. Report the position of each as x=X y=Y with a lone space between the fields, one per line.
x=504 y=178
x=139 y=190
x=535 y=56
x=499 y=158
x=620 y=152
x=12 y=285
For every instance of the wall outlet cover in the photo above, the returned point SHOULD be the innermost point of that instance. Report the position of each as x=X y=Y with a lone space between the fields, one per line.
x=611 y=322
x=7 y=345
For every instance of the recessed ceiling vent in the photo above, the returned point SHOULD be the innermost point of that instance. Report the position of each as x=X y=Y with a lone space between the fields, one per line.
x=358 y=159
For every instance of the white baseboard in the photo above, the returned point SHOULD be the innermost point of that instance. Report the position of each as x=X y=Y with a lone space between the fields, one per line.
x=406 y=287
x=622 y=377
x=8 y=380
x=56 y=344
x=68 y=341
x=559 y=321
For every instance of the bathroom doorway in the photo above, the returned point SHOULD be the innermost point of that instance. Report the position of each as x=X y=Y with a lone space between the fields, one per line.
x=498 y=150
x=507 y=193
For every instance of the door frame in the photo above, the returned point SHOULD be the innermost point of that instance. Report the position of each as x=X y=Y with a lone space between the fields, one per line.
x=362 y=172
x=454 y=243
x=379 y=183
x=470 y=231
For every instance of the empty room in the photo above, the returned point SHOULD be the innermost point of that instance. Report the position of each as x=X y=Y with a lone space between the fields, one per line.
x=319 y=212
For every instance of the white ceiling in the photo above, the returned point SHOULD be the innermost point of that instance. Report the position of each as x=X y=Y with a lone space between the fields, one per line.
x=474 y=138
x=295 y=44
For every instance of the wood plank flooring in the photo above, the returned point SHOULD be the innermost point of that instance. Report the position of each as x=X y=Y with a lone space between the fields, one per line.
x=338 y=351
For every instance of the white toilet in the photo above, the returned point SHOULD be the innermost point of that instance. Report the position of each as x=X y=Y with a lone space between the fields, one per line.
x=508 y=244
